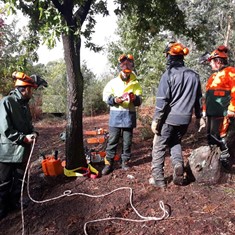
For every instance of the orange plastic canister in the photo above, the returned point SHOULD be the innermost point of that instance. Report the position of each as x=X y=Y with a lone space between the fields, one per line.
x=52 y=166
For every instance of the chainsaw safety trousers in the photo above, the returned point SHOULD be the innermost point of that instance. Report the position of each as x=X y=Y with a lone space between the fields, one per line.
x=214 y=125
x=171 y=137
x=11 y=175
x=113 y=141
x=4 y=197
x=226 y=143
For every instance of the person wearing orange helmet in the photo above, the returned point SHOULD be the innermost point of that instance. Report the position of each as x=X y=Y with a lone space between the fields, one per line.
x=123 y=95
x=220 y=102
x=16 y=136
x=178 y=94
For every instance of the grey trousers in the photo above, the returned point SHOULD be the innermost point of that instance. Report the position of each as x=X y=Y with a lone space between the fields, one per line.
x=171 y=137
x=114 y=135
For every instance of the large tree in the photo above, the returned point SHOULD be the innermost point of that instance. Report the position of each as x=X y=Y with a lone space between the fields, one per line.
x=71 y=19
x=51 y=19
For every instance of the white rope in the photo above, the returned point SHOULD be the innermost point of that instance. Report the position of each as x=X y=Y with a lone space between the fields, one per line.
x=22 y=186
x=69 y=193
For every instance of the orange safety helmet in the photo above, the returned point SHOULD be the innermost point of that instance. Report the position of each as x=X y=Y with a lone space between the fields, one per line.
x=21 y=79
x=124 y=57
x=220 y=52
x=175 y=48
x=126 y=63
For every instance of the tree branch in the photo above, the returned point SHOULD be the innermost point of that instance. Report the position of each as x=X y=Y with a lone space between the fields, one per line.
x=82 y=12
x=58 y=6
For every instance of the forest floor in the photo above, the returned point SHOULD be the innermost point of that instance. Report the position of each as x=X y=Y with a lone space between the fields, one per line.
x=123 y=202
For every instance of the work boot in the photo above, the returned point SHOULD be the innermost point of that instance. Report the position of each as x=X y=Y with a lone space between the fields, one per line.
x=125 y=166
x=157 y=183
x=178 y=175
x=225 y=164
x=107 y=169
x=224 y=159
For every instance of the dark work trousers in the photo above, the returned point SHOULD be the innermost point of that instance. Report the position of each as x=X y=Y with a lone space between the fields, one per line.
x=113 y=140
x=214 y=126
x=11 y=176
x=171 y=137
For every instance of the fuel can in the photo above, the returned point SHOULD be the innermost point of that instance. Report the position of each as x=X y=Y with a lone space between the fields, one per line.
x=52 y=166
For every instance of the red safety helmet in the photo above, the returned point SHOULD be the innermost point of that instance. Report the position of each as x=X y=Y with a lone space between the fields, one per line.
x=220 y=52
x=21 y=79
x=175 y=48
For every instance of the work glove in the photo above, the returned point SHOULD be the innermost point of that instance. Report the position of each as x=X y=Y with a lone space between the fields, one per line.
x=132 y=96
x=156 y=127
x=230 y=114
x=28 y=139
x=126 y=97
x=200 y=123
x=118 y=100
x=129 y=97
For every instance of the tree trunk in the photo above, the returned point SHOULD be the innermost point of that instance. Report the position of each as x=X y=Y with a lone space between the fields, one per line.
x=74 y=148
x=226 y=41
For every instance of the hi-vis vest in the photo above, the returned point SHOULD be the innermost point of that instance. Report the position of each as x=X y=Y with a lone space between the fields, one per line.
x=220 y=92
x=122 y=115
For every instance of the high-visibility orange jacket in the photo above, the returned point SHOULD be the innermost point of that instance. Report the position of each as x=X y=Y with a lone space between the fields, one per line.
x=220 y=92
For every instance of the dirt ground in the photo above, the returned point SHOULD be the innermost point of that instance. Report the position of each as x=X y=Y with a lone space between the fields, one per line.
x=122 y=203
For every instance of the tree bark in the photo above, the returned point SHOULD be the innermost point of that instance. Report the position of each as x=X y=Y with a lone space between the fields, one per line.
x=226 y=41
x=74 y=148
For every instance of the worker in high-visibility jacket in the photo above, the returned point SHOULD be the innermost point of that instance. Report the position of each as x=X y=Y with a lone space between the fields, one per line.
x=122 y=94
x=220 y=102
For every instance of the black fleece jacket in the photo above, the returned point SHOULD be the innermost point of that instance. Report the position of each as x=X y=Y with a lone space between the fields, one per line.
x=179 y=92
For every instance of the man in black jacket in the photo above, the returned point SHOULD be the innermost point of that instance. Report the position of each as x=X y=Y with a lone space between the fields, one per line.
x=179 y=92
x=16 y=136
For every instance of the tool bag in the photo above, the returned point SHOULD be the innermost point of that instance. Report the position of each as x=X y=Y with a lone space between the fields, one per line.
x=204 y=164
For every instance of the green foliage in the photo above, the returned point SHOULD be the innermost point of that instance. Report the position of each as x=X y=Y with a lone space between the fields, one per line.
x=93 y=93
x=210 y=19
x=93 y=103
x=17 y=52
x=54 y=97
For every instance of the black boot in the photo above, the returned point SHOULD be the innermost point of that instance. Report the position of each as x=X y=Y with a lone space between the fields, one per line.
x=178 y=175
x=108 y=168
x=224 y=159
